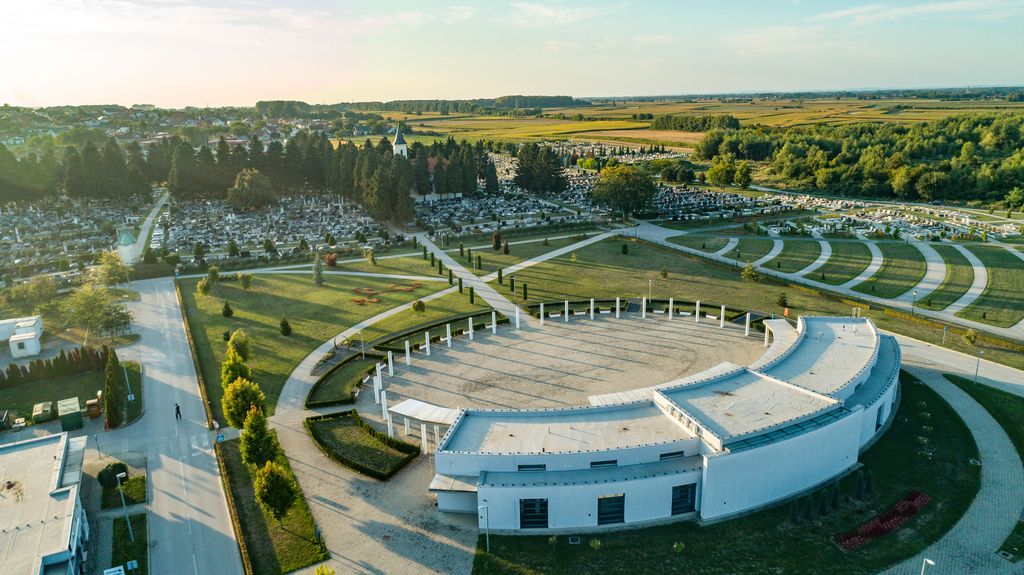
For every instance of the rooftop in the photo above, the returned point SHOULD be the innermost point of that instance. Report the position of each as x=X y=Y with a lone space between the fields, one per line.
x=830 y=353
x=38 y=490
x=743 y=402
x=562 y=430
x=593 y=475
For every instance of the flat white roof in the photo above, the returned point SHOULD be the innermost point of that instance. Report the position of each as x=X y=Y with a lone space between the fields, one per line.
x=425 y=412
x=831 y=352
x=744 y=402
x=38 y=490
x=592 y=475
x=562 y=430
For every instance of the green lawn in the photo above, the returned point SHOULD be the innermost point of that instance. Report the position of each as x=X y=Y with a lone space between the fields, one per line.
x=124 y=550
x=348 y=442
x=273 y=548
x=84 y=386
x=134 y=492
x=1008 y=410
x=408 y=265
x=795 y=256
x=436 y=309
x=902 y=268
x=751 y=249
x=1002 y=303
x=959 y=276
x=341 y=384
x=316 y=314
x=848 y=260
x=492 y=260
x=767 y=541
x=704 y=244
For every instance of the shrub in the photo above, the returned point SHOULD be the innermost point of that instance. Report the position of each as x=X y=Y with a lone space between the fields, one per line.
x=239 y=341
x=108 y=475
x=545 y=242
x=970 y=336
x=245 y=280
x=679 y=547
x=238 y=398
x=203 y=287
x=664 y=272
x=213 y=274
x=782 y=300
x=226 y=311
x=233 y=367
x=504 y=247
x=750 y=274
x=418 y=306
x=331 y=260
x=496 y=240
x=286 y=328
x=257 y=445
x=276 y=490
x=172 y=259
x=595 y=544
x=625 y=249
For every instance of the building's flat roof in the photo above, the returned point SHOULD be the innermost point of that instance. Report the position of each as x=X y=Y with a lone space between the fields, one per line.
x=886 y=365
x=830 y=354
x=744 y=402
x=38 y=489
x=562 y=430
x=592 y=475
x=24 y=336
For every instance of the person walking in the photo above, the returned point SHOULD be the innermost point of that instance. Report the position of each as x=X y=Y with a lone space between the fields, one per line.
x=177 y=411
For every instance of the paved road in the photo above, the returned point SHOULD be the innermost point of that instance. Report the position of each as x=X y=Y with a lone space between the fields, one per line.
x=143 y=240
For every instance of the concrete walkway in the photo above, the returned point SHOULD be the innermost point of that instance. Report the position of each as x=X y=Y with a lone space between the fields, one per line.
x=872 y=269
x=977 y=285
x=826 y=252
x=777 y=246
x=934 y=274
x=143 y=240
x=730 y=245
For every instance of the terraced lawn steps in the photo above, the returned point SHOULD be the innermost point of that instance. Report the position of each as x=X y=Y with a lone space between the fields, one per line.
x=795 y=256
x=959 y=278
x=848 y=260
x=1002 y=302
x=902 y=268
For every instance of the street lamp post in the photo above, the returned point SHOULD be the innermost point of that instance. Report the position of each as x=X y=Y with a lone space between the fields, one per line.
x=977 y=366
x=925 y=564
x=120 y=488
x=487 y=525
x=913 y=304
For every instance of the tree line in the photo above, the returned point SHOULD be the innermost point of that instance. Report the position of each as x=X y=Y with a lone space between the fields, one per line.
x=959 y=158
x=691 y=123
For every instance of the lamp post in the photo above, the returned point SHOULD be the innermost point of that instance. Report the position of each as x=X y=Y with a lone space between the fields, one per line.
x=977 y=367
x=650 y=286
x=362 y=344
x=925 y=564
x=120 y=488
x=487 y=525
x=913 y=303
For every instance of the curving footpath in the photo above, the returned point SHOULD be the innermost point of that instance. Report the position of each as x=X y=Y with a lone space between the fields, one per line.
x=934 y=275
x=826 y=252
x=872 y=269
x=978 y=284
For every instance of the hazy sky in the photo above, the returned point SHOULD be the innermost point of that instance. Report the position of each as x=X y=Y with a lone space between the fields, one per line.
x=222 y=52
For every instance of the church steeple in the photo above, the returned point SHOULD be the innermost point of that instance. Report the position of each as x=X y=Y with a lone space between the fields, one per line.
x=399 y=147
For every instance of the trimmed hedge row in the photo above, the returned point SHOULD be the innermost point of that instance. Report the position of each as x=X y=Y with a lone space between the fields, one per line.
x=236 y=524
x=323 y=378
x=410 y=450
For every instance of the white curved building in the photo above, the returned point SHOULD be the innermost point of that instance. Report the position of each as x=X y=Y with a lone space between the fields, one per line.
x=726 y=441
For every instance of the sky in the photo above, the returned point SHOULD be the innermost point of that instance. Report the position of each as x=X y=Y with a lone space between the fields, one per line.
x=175 y=53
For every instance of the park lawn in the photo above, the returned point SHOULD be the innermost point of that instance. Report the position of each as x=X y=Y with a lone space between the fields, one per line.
x=344 y=440
x=134 y=492
x=847 y=261
x=704 y=244
x=1002 y=302
x=21 y=398
x=436 y=309
x=316 y=314
x=959 y=277
x=751 y=249
x=903 y=267
x=491 y=260
x=1008 y=410
x=795 y=256
x=124 y=550
x=406 y=265
x=342 y=383
x=273 y=548
x=767 y=541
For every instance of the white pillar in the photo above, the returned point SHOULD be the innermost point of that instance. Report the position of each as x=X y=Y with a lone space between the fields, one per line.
x=408 y=356
x=616 y=308
x=437 y=437
x=406 y=426
x=384 y=404
x=746 y=325
x=448 y=333
x=423 y=439
x=470 y=322
x=391 y=363
x=671 y=304
x=391 y=427
x=721 y=317
x=426 y=342
x=380 y=368
x=542 y=313
x=591 y=308
x=643 y=308
x=376 y=389
x=766 y=336
x=566 y=314
x=696 y=313
x=494 y=322
x=517 y=317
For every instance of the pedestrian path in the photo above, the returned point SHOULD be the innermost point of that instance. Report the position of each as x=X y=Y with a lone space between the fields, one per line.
x=872 y=269
x=934 y=275
x=777 y=246
x=826 y=252
x=977 y=285
x=729 y=246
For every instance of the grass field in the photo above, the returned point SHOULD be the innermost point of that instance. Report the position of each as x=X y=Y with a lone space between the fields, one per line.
x=273 y=548
x=1008 y=410
x=795 y=256
x=959 y=276
x=346 y=440
x=1002 y=303
x=343 y=382
x=902 y=268
x=436 y=309
x=751 y=249
x=491 y=260
x=704 y=244
x=411 y=266
x=20 y=398
x=847 y=261
x=768 y=541
x=316 y=314
x=124 y=550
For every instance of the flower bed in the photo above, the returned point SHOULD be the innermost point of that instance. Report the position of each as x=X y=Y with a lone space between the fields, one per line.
x=885 y=523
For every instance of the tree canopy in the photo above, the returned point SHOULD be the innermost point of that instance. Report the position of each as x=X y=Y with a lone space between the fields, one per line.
x=625 y=188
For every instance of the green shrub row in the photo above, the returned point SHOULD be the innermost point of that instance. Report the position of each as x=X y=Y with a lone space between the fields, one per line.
x=323 y=379
x=410 y=450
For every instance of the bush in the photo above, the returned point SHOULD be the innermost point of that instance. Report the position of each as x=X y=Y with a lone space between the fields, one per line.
x=245 y=280
x=239 y=341
x=625 y=249
x=418 y=306
x=226 y=311
x=286 y=328
x=108 y=475
x=238 y=398
x=664 y=272
x=203 y=287
x=233 y=367
x=782 y=300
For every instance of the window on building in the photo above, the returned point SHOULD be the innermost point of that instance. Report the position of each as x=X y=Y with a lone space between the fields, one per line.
x=880 y=417
x=684 y=498
x=672 y=455
x=611 y=509
x=533 y=513
x=607 y=463
x=533 y=467
x=21 y=345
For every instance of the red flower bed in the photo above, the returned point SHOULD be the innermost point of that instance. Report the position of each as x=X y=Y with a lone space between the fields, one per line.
x=885 y=523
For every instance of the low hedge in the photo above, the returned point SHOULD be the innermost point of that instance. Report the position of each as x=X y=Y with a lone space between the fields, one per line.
x=409 y=450
x=323 y=378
